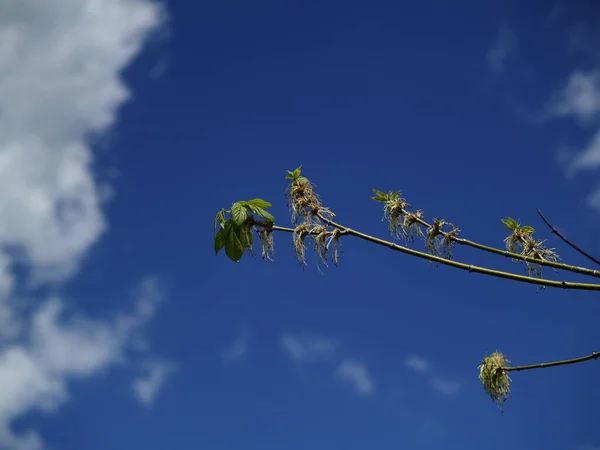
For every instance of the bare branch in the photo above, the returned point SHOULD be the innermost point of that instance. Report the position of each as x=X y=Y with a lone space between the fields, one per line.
x=594 y=355
x=565 y=240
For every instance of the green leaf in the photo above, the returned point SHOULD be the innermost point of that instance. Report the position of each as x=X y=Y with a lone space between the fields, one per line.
x=219 y=218
x=233 y=245
x=527 y=229
x=261 y=212
x=239 y=213
x=295 y=174
x=380 y=196
x=245 y=235
x=510 y=223
x=258 y=202
x=221 y=237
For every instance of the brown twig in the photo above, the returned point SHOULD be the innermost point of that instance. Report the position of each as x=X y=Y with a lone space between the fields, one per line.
x=565 y=240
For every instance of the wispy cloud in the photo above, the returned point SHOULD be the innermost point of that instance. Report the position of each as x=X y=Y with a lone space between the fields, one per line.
x=445 y=387
x=357 y=375
x=505 y=44
x=58 y=349
x=588 y=158
x=238 y=349
x=579 y=98
x=146 y=387
x=308 y=348
x=424 y=366
x=417 y=363
x=593 y=199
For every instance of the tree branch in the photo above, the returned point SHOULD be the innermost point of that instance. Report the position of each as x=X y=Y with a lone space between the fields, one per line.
x=594 y=355
x=543 y=262
x=565 y=240
x=449 y=262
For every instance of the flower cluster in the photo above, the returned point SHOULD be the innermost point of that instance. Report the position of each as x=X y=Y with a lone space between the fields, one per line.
x=494 y=377
x=522 y=242
x=409 y=225
x=311 y=220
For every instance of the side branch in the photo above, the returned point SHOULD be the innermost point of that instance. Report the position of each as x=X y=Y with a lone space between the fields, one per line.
x=594 y=355
x=448 y=262
x=565 y=240
x=555 y=265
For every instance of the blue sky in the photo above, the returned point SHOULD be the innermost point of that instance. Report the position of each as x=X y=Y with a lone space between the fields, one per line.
x=126 y=126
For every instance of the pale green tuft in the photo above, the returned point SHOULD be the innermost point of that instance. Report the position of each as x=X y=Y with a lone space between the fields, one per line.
x=494 y=377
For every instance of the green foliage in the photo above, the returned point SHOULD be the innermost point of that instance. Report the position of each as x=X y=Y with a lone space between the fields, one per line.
x=384 y=197
x=232 y=237
x=220 y=237
x=219 y=219
x=245 y=235
x=258 y=202
x=295 y=174
x=527 y=229
x=233 y=244
x=514 y=226
x=239 y=213
x=510 y=223
x=262 y=213
x=235 y=233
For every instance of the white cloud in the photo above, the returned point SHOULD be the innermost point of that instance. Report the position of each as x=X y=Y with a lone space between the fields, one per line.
x=593 y=199
x=146 y=388
x=238 y=350
x=60 y=80
x=422 y=365
x=445 y=387
x=417 y=363
x=506 y=42
x=308 y=348
x=357 y=375
x=588 y=158
x=579 y=98
x=60 y=65
x=34 y=375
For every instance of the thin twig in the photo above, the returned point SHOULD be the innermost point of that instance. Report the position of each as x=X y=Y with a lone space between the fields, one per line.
x=565 y=240
x=543 y=262
x=594 y=355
